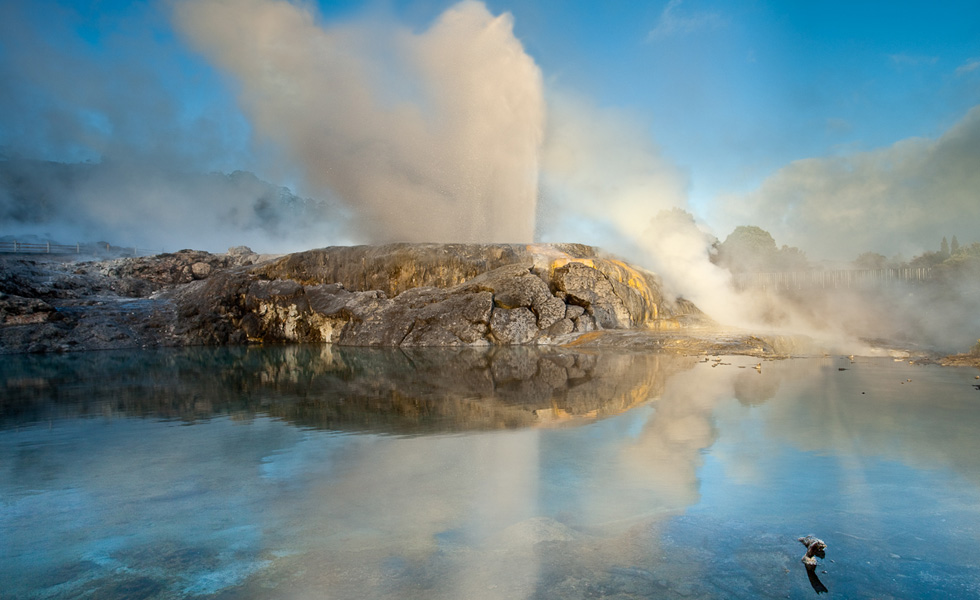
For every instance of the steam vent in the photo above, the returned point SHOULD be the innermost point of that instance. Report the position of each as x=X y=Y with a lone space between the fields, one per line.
x=426 y=295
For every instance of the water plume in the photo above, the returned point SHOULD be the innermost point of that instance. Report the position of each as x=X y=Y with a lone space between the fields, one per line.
x=430 y=136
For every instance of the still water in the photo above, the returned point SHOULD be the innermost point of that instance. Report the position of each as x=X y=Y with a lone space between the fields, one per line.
x=317 y=472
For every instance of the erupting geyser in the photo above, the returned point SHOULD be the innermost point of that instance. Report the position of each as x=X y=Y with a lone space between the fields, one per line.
x=430 y=136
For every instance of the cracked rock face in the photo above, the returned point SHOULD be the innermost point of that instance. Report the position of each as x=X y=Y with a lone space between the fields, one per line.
x=395 y=295
x=423 y=295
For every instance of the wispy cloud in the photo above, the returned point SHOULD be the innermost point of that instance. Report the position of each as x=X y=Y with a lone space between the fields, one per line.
x=838 y=125
x=912 y=60
x=969 y=66
x=672 y=22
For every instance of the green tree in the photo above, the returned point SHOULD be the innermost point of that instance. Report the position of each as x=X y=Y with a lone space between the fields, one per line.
x=954 y=246
x=790 y=258
x=870 y=260
x=944 y=247
x=927 y=259
x=750 y=248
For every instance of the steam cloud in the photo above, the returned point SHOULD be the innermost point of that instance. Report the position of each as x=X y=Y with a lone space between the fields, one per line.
x=606 y=183
x=429 y=137
x=153 y=208
x=897 y=200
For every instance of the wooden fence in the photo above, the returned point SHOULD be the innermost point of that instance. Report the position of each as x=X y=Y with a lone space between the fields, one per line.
x=17 y=247
x=855 y=278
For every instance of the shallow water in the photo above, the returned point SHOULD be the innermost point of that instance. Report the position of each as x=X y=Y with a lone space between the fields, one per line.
x=311 y=472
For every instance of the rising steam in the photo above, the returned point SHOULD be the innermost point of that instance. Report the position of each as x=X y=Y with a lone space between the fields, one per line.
x=605 y=181
x=428 y=137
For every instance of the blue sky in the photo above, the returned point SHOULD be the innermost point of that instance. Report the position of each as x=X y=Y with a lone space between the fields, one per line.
x=739 y=101
x=734 y=90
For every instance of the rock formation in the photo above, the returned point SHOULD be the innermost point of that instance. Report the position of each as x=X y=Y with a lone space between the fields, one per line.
x=393 y=295
x=425 y=295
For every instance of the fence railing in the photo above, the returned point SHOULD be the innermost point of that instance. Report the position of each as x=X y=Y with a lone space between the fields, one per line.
x=800 y=280
x=18 y=247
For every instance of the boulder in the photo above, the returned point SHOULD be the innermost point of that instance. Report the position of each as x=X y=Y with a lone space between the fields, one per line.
x=200 y=270
x=513 y=326
x=581 y=285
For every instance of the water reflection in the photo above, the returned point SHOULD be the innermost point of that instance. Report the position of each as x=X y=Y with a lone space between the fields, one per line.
x=400 y=391
x=677 y=477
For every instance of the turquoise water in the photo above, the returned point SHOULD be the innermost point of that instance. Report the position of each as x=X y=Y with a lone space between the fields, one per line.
x=317 y=472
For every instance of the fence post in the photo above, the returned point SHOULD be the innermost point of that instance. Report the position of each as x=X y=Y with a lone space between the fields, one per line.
x=78 y=249
x=15 y=246
x=49 y=247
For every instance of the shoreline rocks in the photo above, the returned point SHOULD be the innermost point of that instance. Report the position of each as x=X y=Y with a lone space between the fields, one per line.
x=397 y=295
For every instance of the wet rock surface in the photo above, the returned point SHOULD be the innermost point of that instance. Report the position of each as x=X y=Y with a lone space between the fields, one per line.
x=394 y=295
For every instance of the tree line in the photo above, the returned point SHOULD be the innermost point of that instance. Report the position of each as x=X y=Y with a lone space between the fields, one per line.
x=751 y=249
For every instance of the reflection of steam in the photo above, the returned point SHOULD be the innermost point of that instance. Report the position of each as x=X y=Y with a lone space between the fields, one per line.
x=919 y=422
x=667 y=453
x=429 y=137
x=369 y=516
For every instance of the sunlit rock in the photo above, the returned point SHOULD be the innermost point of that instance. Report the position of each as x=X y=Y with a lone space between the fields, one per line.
x=423 y=295
x=393 y=295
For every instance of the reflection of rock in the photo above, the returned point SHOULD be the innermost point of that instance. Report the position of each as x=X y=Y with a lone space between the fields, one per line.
x=379 y=389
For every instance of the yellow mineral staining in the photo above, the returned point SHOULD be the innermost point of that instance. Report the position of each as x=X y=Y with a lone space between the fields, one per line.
x=550 y=258
x=585 y=338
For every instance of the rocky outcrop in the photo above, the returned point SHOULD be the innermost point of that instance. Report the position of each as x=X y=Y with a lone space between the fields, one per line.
x=50 y=304
x=140 y=277
x=394 y=295
x=425 y=295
